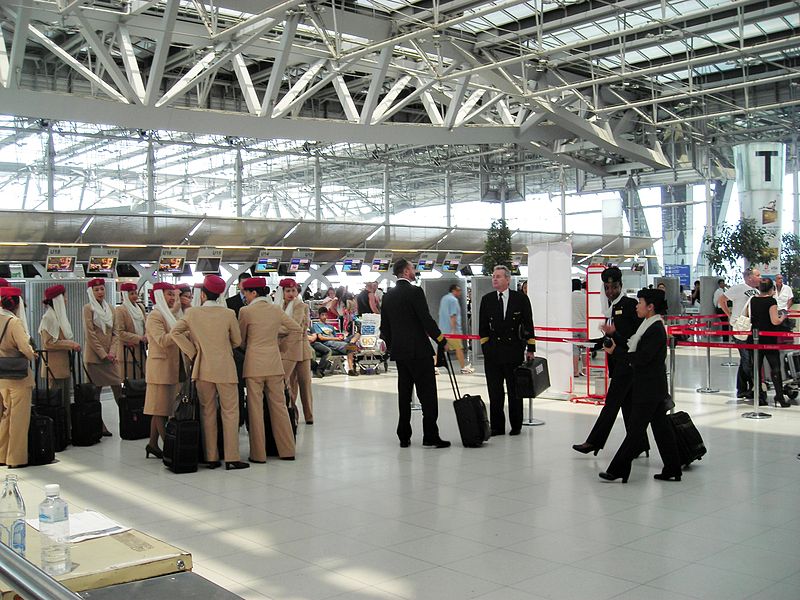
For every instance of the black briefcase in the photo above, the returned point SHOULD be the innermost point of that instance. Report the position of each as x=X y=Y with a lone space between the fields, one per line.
x=41 y=449
x=133 y=423
x=531 y=378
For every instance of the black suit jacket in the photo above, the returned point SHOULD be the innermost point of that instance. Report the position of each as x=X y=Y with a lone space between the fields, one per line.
x=506 y=341
x=235 y=303
x=649 y=366
x=626 y=323
x=407 y=324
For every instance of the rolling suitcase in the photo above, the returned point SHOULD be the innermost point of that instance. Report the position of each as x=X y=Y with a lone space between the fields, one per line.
x=471 y=415
x=47 y=402
x=531 y=378
x=272 y=447
x=690 y=442
x=87 y=412
x=133 y=423
x=182 y=437
x=41 y=449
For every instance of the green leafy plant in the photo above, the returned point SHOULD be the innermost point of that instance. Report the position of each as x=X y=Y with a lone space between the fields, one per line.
x=497 y=247
x=746 y=240
x=790 y=260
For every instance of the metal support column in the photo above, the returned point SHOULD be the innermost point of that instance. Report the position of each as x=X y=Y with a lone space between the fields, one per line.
x=448 y=196
x=795 y=189
x=386 y=201
x=710 y=225
x=563 y=185
x=239 y=177
x=151 y=176
x=317 y=189
x=51 y=169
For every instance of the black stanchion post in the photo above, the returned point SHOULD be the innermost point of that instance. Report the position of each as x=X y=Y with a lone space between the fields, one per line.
x=756 y=413
x=672 y=343
x=708 y=389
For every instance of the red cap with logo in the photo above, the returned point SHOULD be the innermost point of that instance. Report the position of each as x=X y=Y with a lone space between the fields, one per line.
x=287 y=282
x=96 y=282
x=54 y=291
x=253 y=283
x=128 y=287
x=214 y=284
x=9 y=292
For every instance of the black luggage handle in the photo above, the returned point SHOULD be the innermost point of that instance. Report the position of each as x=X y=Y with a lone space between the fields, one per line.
x=41 y=355
x=448 y=366
x=132 y=350
x=78 y=378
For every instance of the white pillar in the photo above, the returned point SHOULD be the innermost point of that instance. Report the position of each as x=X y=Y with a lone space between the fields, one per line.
x=552 y=307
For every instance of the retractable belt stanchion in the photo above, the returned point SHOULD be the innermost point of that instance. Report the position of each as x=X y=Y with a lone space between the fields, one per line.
x=756 y=413
x=708 y=389
x=531 y=422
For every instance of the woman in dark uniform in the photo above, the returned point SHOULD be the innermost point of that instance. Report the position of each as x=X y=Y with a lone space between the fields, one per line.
x=647 y=353
x=765 y=316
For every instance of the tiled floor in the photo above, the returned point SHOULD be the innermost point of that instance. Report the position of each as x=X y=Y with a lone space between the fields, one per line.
x=358 y=517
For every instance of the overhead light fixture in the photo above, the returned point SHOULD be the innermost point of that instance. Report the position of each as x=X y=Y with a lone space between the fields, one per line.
x=196 y=227
x=87 y=224
x=443 y=238
x=291 y=231
x=374 y=233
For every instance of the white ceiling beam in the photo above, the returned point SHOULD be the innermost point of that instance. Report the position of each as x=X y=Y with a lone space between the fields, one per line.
x=246 y=85
x=376 y=85
x=3 y=61
x=279 y=65
x=130 y=62
x=105 y=59
x=294 y=93
x=432 y=109
x=75 y=64
x=72 y=6
x=424 y=87
x=469 y=104
x=505 y=113
x=455 y=103
x=136 y=7
x=18 y=43
x=189 y=79
x=391 y=95
x=161 y=53
x=255 y=23
x=346 y=99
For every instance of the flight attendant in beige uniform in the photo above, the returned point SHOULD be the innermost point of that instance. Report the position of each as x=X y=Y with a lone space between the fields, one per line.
x=163 y=365
x=101 y=355
x=296 y=352
x=16 y=393
x=261 y=322
x=129 y=320
x=55 y=333
x=207 y=335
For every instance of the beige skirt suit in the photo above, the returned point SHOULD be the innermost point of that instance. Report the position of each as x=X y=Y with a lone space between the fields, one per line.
x=163 y=367
x=16 y=395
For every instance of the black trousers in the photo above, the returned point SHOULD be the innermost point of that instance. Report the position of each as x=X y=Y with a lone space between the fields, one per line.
x=642 y=414
x=499 y=378
x=618 y=397
x=417 y=374
x=774 y=359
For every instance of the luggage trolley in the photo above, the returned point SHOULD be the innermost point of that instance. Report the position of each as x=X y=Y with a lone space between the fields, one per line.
x=372 y=349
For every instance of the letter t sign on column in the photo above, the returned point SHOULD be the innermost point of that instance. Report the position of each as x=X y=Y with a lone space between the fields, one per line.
x=767 y=154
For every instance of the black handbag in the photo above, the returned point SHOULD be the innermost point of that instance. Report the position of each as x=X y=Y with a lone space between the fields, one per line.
x=12 y=367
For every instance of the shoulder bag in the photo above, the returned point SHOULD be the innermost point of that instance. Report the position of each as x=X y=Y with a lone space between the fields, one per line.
x=742 y=323
x=12 y=367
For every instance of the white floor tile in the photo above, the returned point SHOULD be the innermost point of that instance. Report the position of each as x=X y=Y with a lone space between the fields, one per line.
x=710 y=583
x=569 y=582
x=438 y=583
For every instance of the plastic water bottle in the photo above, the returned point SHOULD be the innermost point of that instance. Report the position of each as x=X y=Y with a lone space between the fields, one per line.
x=54 y=531
x=12 y=516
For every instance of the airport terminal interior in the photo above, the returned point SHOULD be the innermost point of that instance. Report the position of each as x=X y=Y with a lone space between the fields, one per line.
x=316 y=144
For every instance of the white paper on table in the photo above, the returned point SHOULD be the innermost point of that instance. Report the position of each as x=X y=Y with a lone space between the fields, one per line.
x=87 y=525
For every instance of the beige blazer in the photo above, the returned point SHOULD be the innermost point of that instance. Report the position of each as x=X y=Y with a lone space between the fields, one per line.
x=261 y=324
x=57 y=355
x=163 y=355
x=126 y=334
x=97 y=344
x=295 y=346
x=15 y=343
x=208 y=335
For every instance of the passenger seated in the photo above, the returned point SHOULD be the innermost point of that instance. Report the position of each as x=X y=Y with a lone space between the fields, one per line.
x=329 y=336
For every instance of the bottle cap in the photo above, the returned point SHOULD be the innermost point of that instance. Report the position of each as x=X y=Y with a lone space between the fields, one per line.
x=52 y=489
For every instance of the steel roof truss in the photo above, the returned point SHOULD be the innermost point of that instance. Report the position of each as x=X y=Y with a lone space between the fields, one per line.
x=279 y=66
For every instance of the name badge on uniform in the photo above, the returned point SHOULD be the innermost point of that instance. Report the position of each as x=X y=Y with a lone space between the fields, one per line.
x=618 y=312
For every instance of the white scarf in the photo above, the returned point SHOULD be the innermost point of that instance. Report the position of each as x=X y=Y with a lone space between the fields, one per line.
x=136 y=313
x=103 y=316
x=289 y=310
x=633 y=342
x=196 y=297
x=22 y=315
x=162 y=307
x=608 y=312
x=260 y=299
x=55 y=321
x=219 y=302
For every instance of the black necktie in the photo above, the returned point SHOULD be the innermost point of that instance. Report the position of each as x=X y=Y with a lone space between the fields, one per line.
x=500 y=311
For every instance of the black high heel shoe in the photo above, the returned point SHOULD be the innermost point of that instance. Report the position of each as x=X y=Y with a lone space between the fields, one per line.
x=236 y=464
x=154 y=451
x=782 y=402
x=586 y=447
x=611 y=477
x=667 y=477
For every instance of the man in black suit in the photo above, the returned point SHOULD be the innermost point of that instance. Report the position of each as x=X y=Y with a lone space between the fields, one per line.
x=406 y=325
x=621 y=324
x=507 y=338
x=237 y=302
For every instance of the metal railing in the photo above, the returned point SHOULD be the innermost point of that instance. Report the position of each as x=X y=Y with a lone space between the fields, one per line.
x=28 y=580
